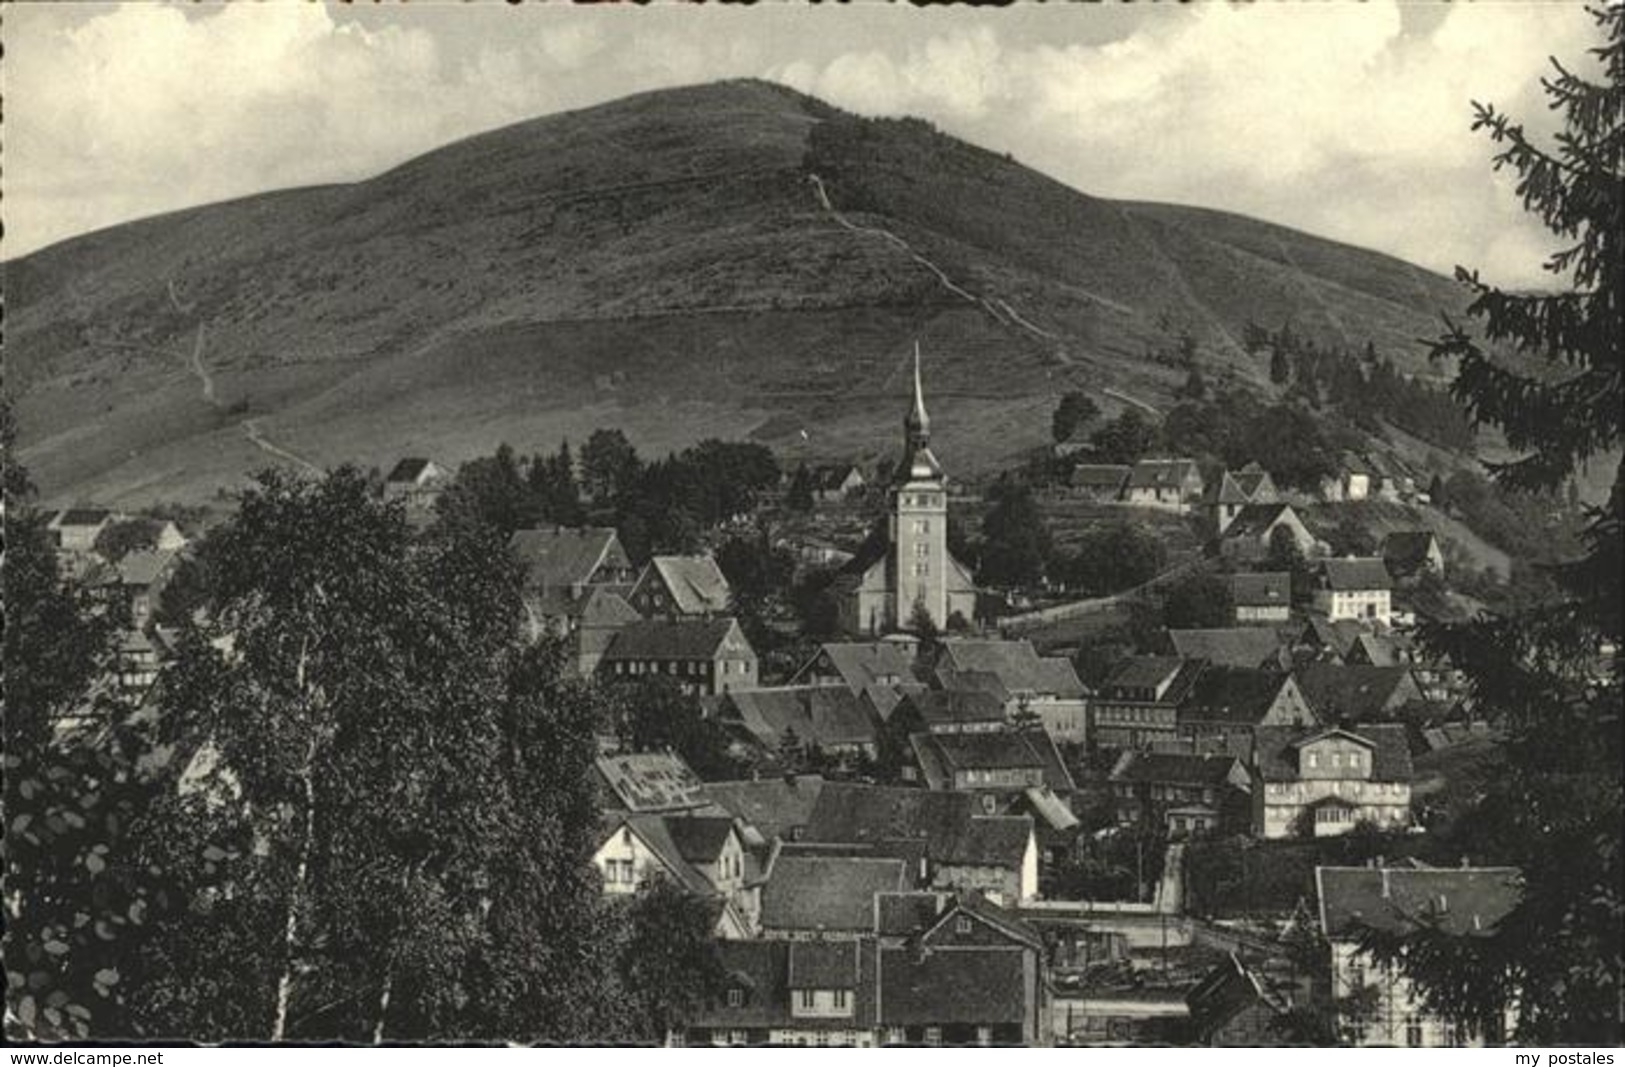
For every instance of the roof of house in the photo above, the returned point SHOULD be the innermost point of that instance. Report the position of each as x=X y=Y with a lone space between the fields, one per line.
x=82 y=517
x=605 y=607
x=941 y=707
x=1275 y=750
x=651 y=781
x=1229 y=491
x=1255 y=520
x=145 y=566
x=1353 y=692
x=833 y=475
x=409 y=469
x=908 y=912
x=564 y=556
x=811 y=892
x=699 y=838
x=940 y=755
x=1273 y=589
x=1380 y=650
x=960 y=987
x=858 y=813
x=775 y=806
x=1100 y=476
x=1017 y=664
x=1238 y=695
x=673 y=639
x=825 y=715
x=1224 y=992
x=1177 y=768
x=1161 y=473
x=1468 y=901
x=1339 y=635
x=1234 y=646
x=861 y=664
x=1050 y=809
x=990 y=841
x=696 y=583
x=823 y=965
x=1405 y=551
x=654 y=830
x=1356 y=574
x=1252 y=478
x=1149 y=672
x=759 y=971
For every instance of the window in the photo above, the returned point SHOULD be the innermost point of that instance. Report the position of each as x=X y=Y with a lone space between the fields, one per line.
x=1314 y=759
x=921 y=570
x=984 y=1036
x=962 y=925
x=736 y=998
x=933 y=1036
x=1413 y=1031
x=806 y=999
x=921 y=550
x=737 y=1037
x=840 y=1000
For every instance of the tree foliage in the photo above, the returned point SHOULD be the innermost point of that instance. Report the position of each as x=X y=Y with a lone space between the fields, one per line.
x=1074 y=410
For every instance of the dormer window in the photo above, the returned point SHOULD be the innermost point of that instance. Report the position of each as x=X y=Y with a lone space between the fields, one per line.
x=736 y=998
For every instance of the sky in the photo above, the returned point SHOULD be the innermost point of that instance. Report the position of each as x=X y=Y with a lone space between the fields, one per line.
x=1351 y=121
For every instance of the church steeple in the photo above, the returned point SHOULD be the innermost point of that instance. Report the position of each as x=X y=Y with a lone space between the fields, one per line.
x=917 y=423
x=918 y=462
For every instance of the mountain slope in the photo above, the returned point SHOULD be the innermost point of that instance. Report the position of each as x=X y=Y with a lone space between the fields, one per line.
x=732 y=259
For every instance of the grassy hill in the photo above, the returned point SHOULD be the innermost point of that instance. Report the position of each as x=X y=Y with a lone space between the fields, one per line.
x=732 y=259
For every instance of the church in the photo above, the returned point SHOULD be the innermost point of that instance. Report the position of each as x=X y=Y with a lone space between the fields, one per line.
x=910 y=568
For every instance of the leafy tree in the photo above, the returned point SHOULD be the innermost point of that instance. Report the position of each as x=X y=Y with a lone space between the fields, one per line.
x=799 y=496
x=609 y=466
x=669 y=964
x=119 y=539
x=1125 y=438
x=554 y=491
x=1195 y=387
x=1074 y=410
x=1016 y=542
x=815 y=603
x=1280 y=366
x=1201 y=601
x=489 y=491
x=656 y=715
x=1545 y=671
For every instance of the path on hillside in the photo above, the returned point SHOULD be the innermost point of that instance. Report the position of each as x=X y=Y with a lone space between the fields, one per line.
x=251 y=428
x=1118 y=395
x=1170 y=897
x=1302 y=278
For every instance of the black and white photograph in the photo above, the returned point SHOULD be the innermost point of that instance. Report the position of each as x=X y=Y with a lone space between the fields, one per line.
x=550 y=525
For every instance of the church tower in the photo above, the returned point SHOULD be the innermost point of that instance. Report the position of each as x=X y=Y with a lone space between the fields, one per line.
x=919 y=520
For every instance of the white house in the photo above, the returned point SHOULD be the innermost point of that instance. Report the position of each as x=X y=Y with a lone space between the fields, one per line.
x=1356 y=588
x=1327 y=782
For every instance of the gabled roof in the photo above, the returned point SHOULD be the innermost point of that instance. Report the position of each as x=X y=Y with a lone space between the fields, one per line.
x=1016 y=663
x=775 y=806
x=1355 y=574
x=1048 y=809
x=965 y=986
x=823 y=965
x=1463 y=901
x=1339 y=636
x=872 y=814
x=1253 y=480
x=1235 y=646
x=82 y=517
x=409 y=469
x=940 y=755
x=758 y=971
x=862 y=664
x=1254 y=520
x=1175 y=768
x=908 y=912
x=674 y=639
x=1238 y=695
x=940 y=707
x=1100 y=476
x=700 y=838
x=1149 y=672
x=696 y=583
x=561 y=556
x=825 y=715
x=831 y=893
x=1275 y=751
x=604 y=607
x=1224 y=992
x=1380 y=650
x=1354 y=692
x=1161 y=473
x=651 y=781
x=654 y=832
x=1229 y=491
x=991 y=841
x=833 y=475
x=1406 y=551
x=1273 y=589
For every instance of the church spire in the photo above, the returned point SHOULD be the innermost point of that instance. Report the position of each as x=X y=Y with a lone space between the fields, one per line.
x=918 y=462
x=918 y=422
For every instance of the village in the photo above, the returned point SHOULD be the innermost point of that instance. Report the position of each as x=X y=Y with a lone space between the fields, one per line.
x=928 y=820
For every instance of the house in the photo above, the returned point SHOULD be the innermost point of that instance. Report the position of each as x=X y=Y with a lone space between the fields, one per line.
x=1410 y=554
x=601 y=613
x=832 y=719
x=137 y=658
x=702 y=852
x=1248 y=536
x=1325 y=641
x=1351 y=481
x=1235 y=1006
x=1240 y=646
x=945 y=711
x=1234 y=701
x=1323 y=782
x=1139 y=702
x=909 y=569
x=1435 y=678
x=648 y=782
x=1462 y=902
x=76 y=529
x=1355 y=588
x=561 y=564
x=702 y=656
x=1262 y=599
x=833 y=482
x=416 y=482
x=778 y=807
x=959 y=848
x=1391 y=480
x=1166 y=484
x=1187 y=794
x=933 y=972
x=681 y=587
x=824 y=897
x=1103 y=483
x=876 y=668
x=1250 y=485
x=1045 y=686
x=1357 y=694
x=138 y=581
x=1008 y=761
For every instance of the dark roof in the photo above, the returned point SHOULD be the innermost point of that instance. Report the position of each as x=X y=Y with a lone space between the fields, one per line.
x=993 y=749
x=1224 y=992
x=1232 y=694
x=1100 y=476
x=1254 y=519
x=655 y=833
x=1261 y=590
x=908 y=912
x=833 y=475
x=651 y=781
x=673 y=639
x=962 y=986
x=991 y=841
x=83 y=517
x=1160 y=473
x=1339 y=636
x=1252 y=478
x=1235 y=646
x=407 y=470
x=1467 y=901
x=759 y=971
x=699 y=838
x=561 y=556
x=826 y=715
x=1170 y=767
x=1017 y=664
x=833 y=893
x=1275 y=750
x=1229 y=491
x=862 y=664
x=823 y=965
x=1357 y=573
x=872 y=814
x=775 y=806
x=1406 y=551
x=939 y=707
x=1147 y=672
x=1353 y=692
